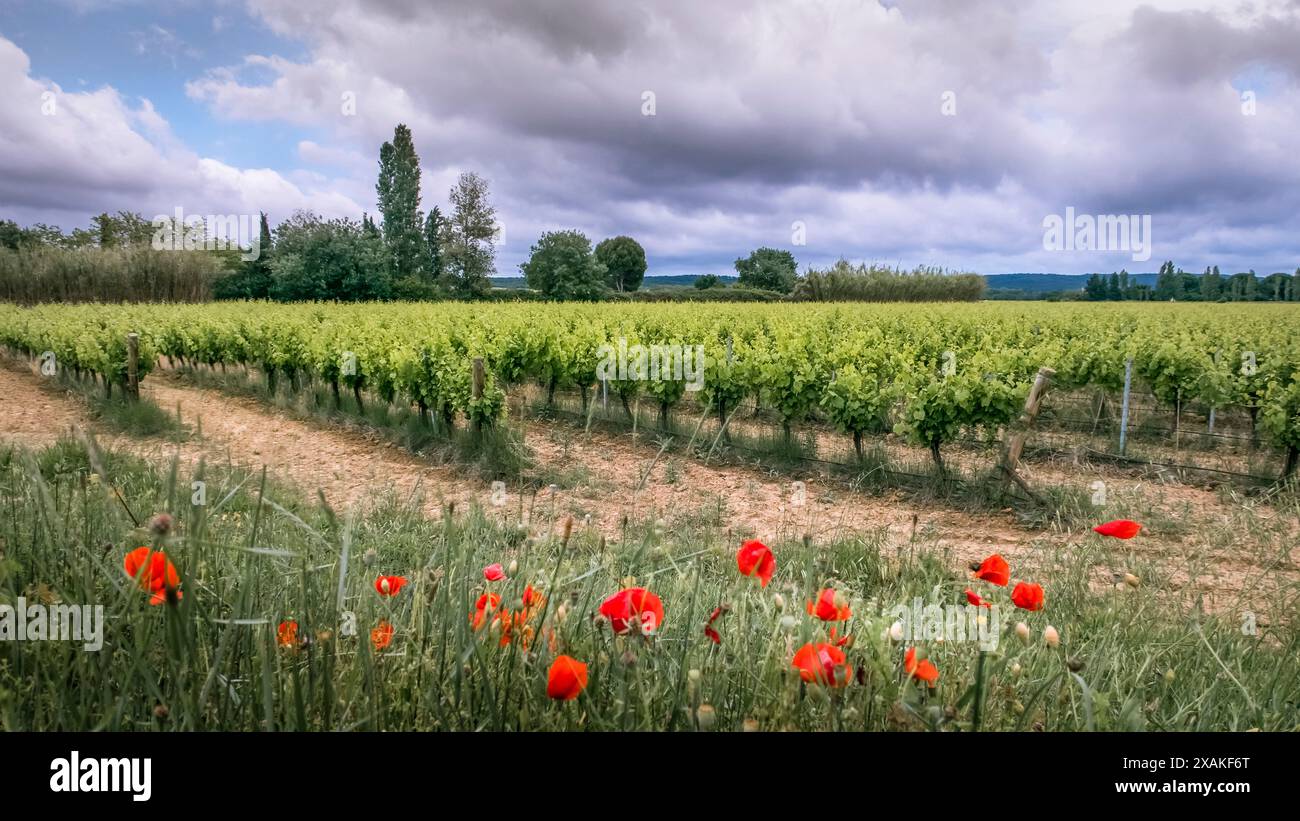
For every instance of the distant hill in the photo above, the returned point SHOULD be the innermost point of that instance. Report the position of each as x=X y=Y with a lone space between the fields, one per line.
x=1027 y=282
x=1042 y=283
x=648 y=283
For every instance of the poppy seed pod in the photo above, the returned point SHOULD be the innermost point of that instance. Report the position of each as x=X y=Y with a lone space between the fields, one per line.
x=706 y=716
x=841 y=601
x=161 y=524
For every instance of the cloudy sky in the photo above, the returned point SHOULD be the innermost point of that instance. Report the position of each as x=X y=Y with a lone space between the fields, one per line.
x=937 y=132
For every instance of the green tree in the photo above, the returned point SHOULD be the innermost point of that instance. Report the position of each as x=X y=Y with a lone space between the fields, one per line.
x=12 y=236
x=706 y=281
x=562 y=266
x=337 y=259
x=468 y=239
x=1211 y=285
x=1095 y=287
x=398 y=189
x=433 y=244
x=254 y=277
x=769 y=269
x=624 y=261
x=1112 y=287
x=120 y=230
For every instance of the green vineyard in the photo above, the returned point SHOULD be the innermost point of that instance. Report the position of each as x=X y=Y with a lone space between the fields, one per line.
x=926 y=373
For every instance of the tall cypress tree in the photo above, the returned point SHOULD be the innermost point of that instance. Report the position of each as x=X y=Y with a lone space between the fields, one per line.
x=433 y=244
x=398 y=189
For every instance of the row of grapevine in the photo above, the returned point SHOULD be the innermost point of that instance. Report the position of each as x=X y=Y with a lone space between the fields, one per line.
x=927 y=372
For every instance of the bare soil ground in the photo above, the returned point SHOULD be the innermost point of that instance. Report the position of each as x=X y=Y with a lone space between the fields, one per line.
x=1227 y=553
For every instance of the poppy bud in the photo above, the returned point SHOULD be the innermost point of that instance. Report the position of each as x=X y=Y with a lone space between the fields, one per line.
x=161 y=712
x=369 y=557
x=1131 y=580
x=693 y=675
x=1017 y=708
x=1170 y=676
x=1052 y=637
x=787 y=623
x=1022 y=630
x=779 y=601
x=896 y=632
x=568 y=528
x=750 y=725
x=1015 y=669
x=562 y=612
x=706 y=716
x=514 y=567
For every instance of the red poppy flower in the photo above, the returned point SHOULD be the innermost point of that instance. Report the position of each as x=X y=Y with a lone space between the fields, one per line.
x=1027 y=596
x=633 y=605
x=755 y=559
x=566 y=679
x=494 y=572
x=921 y=671
x=994 y=570
x=382 y=635
x=389 y=585
x=486 y=602
x=822 y=663
x=1119 y=529
x=531 y=597
x=154 y=573
x=825 y=608
x=974 y=599
x=286 y=635
x=708 y=628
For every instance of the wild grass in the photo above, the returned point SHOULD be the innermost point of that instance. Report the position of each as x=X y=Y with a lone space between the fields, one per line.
x=255 y=555
x=492 y=454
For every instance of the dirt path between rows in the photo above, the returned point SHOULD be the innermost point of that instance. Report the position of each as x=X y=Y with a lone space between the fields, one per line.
x=350 y=466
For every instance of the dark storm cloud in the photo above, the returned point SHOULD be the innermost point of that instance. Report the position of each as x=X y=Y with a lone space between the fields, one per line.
x=826 y=113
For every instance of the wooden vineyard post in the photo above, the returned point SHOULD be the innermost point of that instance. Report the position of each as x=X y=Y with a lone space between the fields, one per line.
x=1123 y=419
x=478 y=392
x=132 y=372
x=1016 y=442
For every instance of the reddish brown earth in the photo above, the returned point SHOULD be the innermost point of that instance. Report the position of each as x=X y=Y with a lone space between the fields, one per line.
x=350 y=465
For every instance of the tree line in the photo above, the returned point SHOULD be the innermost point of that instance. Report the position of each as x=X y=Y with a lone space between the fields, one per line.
x=1175 y=284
